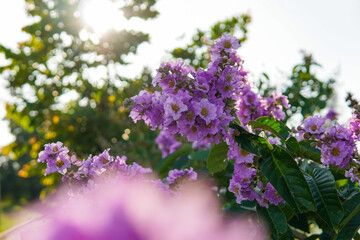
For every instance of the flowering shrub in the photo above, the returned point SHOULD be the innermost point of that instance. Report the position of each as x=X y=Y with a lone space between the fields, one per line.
x=291 y=178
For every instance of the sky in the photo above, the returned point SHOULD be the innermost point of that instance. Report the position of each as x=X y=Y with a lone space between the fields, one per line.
x=280 y=29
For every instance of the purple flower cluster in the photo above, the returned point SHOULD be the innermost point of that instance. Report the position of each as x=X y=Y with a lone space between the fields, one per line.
x=200 y=105
x=167 y=143
x=354 y=126
x=83 y=172
x=196 y=104
x=56 y=157
x=176 y=175
x=245 y=185
x=251 y=106
x=336 y=143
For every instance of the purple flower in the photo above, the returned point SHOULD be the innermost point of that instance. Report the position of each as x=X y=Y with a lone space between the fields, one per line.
x=170 y=74
x=250 y=106
x=239 y=154
x=200 y=145
x=271 y=195
x=337 y=153
x=57 y=158
x=203 y=81
x=235 y=187
x=353 y=173
x=86 y=168
x=175 y=174
x=102 y=159
x=141 y=104
x=340 y=132
x=314 y=125
x=226 y=43
x=274 y=140
x=167 y=143
x=274 y=105
x=354 y=126
x=240 y=183
x=331 y=115
x=60 y=164
x=174 y=107
x=205 y=110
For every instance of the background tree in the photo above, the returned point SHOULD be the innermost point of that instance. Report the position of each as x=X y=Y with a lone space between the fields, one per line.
x=61 y=58
x=308 y=94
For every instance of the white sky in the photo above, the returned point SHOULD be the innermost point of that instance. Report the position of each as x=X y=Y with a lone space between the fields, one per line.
x=329 y=29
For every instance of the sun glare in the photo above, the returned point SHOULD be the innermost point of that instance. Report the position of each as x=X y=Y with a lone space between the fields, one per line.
x=101 y=15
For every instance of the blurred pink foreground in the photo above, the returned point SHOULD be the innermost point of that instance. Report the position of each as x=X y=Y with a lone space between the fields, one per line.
x=138 y=210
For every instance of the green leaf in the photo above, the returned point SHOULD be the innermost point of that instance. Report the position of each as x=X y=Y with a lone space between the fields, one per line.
x=287 y=210
x=166 y=164
x=323 y=188
x=357 y=236
x=294 y=146
x=275 y=218
x=286 y=177
x=300 y=222
x=288 y=235
x=277 y=128
x=216 y=161
x=200 y=155
x=349 y=230
x=308 y=152
x=351 y=221
x=250 y=142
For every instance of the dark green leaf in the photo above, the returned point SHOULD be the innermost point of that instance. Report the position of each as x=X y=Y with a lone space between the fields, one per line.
x=309 y=152
x=294 y=146
x=300 y=222
x=275 y=218
x=357 y=236
x=200 y=155
x=167 y=163
x=323 y=188
x=271 y=125
x=284 y=174
x=287 y=210
x=351 y=227
x=351 y=221
x=288 y=235
x=216 y=161
x=251 y=142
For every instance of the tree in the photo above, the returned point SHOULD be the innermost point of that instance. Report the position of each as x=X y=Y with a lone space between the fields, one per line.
x=58 y=60
x=306 y=89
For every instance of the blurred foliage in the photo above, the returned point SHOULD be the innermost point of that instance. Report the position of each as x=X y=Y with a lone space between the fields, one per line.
x=306 y=93
x=66 y=87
